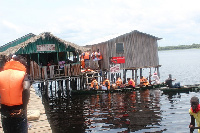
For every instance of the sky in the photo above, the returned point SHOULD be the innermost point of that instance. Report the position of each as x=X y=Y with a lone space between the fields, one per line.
x=83 y=22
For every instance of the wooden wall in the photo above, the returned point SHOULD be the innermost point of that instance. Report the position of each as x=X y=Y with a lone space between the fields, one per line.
x=140 y=50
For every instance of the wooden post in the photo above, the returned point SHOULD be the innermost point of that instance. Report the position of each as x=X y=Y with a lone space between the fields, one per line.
x=59 y=89
x=67 y=85
x=125 y=74
x=46 y=89
x=55 y=88
x=62 y=87
x=51 y=89
x=150 y=76
x=58 y=64
x=141 y=72
x=135 y=76
x=158 y=72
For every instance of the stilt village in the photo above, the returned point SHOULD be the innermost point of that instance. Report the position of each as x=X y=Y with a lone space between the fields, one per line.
x=51 y=59
x=58 y=68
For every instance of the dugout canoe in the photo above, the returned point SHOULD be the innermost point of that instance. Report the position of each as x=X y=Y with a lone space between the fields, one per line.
x=161 y=87
x=90 y=92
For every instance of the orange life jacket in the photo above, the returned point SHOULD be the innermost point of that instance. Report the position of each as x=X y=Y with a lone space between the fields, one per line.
x=144 y=81
x=82 y=63
x=87 y=56
x=94 y=83
x=106 y=81
x=99 y=56
x=131 y=82
x=119 y=82
x=11 y=83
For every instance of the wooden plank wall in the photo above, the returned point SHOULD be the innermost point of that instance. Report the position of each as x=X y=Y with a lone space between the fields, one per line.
x=140 y=50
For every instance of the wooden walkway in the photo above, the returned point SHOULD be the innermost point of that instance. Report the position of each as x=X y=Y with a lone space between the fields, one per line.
x=35 y=106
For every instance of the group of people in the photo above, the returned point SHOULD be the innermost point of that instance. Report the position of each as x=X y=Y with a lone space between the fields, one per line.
x=118 y=84
x=96 y=57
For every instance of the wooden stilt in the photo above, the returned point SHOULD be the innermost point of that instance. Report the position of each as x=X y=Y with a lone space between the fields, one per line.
x=136 y=77
x=125 y=75
x=55 y=89
x=133 y=74
x=141 y=72
x=158 y=72
x=150 y=76
x=51 y=89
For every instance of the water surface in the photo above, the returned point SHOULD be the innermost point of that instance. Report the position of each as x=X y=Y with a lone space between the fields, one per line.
x=137 y=111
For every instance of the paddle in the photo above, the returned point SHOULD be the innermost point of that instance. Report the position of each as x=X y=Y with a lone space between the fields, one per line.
x=191 y=131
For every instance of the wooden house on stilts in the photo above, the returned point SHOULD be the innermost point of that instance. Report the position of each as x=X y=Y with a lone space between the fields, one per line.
x=49 y=58
x=131 y=51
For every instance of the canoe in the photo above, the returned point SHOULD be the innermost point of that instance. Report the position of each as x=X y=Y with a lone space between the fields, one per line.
x=80 y=92
x=182 y=89
x=162 y=87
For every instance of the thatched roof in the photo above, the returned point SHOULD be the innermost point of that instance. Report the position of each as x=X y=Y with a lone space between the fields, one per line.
x=14 y=49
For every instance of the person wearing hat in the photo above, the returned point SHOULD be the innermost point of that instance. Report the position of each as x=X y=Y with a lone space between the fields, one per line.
x=15 y=93
x=156 y=79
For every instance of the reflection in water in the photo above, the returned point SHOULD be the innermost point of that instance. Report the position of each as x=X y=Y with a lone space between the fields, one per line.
x=116 y=112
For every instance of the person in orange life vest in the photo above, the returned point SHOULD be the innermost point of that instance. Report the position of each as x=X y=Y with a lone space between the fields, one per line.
x=118 y=82
x=94 y=84
x=86 y=57
x=99 y=57
x=82 y=61
x=143 y=81
x=131 y=83
x=106 y=84
x=15 y=93
x=194 y=112
x=95 y=59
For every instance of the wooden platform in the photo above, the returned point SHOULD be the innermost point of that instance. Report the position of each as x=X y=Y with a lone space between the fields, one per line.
x=36 y=126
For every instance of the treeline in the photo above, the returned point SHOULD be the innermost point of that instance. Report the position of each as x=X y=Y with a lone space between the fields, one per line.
x=179 y=47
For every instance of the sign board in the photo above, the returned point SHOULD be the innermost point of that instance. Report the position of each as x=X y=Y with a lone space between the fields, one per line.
x=117 y=60
x=115 y=68
x=46 y=47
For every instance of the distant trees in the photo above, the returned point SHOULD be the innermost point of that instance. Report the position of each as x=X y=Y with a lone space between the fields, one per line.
x=179 y=47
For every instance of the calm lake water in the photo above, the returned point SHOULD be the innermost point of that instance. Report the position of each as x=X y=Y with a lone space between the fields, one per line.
x=138 y=111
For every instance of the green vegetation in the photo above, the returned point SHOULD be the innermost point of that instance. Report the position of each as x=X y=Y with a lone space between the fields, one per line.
x=179 y=47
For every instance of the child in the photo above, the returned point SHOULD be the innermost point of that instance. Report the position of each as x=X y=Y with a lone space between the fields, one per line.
x=194 y=113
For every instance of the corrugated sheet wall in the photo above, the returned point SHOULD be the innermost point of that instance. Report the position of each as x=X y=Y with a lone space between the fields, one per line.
x=140 y=50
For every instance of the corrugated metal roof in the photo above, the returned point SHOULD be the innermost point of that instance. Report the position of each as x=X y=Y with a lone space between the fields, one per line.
x=113 y=36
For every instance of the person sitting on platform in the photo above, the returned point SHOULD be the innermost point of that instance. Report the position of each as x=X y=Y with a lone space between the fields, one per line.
x=143 y=81
x=131 y=83
x=106 y=84
x=168 y=82
x=94 y=84
x=119 y=83
x=156 y=79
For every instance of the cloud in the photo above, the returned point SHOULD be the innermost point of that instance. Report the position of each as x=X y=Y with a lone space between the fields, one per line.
x=83 y=21
x=11 y=26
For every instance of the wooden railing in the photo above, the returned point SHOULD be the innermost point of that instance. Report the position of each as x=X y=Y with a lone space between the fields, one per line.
x=54 y=71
